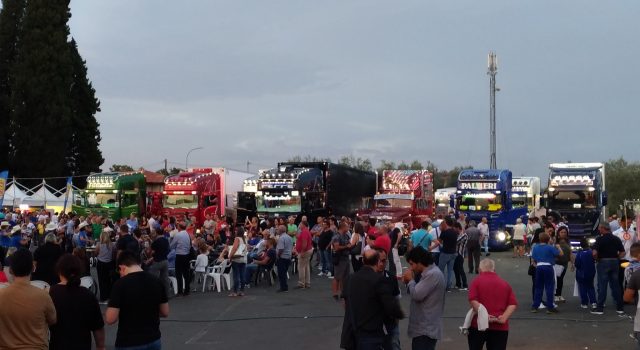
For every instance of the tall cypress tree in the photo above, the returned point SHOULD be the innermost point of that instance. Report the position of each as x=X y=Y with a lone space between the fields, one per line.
x=42 y=77
x=83 y=154
x=10 y=21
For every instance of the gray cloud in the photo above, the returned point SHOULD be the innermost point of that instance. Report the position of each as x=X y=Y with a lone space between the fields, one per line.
x=262 y=81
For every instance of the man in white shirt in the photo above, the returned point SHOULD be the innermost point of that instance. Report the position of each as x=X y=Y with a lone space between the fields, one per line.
x=484 y=230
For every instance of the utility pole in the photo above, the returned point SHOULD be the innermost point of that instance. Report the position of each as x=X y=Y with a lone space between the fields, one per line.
x=492 y=71
x=165 y=166
x=248 y=163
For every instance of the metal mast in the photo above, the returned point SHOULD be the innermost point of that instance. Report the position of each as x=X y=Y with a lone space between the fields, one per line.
x=493 y=70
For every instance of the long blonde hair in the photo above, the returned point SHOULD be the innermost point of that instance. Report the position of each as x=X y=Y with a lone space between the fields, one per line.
x=105 y=237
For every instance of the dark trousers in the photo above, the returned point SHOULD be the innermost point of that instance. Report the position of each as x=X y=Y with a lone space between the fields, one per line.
x=369 y=342
x=436 y=258
x=105 y=272
x=495 y=340
x=587 y=291
x=560 y=281
x=356 y=263
x=423 y=343
x=607 y=270
x=545 y=276
x=283 y=267
x=458 y=270
x=473 y=254
x=183 y=272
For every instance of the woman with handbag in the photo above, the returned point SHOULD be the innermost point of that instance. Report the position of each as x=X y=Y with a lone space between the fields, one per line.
x=238 y=254
x=357 y=241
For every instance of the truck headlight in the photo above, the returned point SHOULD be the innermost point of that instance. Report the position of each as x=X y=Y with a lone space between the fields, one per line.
x=501 y=236
x=592 y=240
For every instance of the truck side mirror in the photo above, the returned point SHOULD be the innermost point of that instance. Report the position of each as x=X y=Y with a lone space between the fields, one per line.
x=605 y=198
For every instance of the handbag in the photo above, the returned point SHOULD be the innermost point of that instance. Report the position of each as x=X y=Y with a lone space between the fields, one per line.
x=241 y=252
x=357 y=249
x=532 y=269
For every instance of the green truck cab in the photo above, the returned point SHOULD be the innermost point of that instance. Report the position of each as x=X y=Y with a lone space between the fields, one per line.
x=112 y=195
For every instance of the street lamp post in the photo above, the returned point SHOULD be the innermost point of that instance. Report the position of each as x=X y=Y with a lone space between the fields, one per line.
x=186 y=162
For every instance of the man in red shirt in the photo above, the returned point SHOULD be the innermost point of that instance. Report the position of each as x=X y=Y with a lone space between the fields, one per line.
x=497 y=297
x=304 y=248
x=383 y=241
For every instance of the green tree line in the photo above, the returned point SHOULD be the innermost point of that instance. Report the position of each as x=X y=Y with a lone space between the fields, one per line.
x=47 y=103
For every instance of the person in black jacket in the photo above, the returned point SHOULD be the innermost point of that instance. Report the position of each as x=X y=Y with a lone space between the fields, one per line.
x=368 y=303
x=46 y=257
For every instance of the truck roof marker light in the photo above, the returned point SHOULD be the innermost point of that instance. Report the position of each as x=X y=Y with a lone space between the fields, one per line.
x=591 y=189
x=194 y=192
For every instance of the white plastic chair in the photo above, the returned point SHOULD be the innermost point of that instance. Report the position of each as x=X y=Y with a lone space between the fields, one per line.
x=217 y=272
x=40 y=284
x=174 y=284
x=89 y=283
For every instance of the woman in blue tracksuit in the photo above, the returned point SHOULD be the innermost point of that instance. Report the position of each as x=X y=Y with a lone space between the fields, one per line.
x=545 y=256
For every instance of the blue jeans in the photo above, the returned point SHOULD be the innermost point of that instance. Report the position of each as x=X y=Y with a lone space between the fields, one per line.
x=545 y=280
x=423 y=343
x=369 y=342
x=248 y=272
x=238 y=276
x=325 y=255
x=587 y=291
x=392 y=339
x=485 y=245
x=447 y=260
x=156 y=345
x=283 y=267
x=607 y=270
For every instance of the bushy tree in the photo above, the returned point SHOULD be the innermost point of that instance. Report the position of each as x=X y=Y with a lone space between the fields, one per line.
x=83 y=155
x=358 y=163
x=621 y=182
x=119 y=168
x=11 y=17
x=41 y=80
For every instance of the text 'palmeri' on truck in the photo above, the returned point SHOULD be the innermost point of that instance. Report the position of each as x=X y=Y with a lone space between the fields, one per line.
x=313 y=189
x=577 y=193
x=487 y=193
x=202 y=191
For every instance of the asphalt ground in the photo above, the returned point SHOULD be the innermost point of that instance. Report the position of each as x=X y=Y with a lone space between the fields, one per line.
x=311 y=319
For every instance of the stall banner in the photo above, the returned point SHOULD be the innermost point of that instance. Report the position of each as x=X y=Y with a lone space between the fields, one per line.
x=4 y=175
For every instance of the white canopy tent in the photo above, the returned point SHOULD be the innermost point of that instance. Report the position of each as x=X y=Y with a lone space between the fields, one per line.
x=13 y=196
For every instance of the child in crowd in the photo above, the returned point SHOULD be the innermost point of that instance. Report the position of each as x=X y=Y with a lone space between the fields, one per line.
x=585 y=274
x=202 y=261
x=634 y=263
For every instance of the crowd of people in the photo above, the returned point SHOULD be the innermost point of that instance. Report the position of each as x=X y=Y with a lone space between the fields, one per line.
x=362 y=258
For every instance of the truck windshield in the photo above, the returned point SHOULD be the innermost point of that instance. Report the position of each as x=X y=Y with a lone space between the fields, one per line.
x=394 y=203
x=101 y=199
x=518 y=200
x=442 y=202
x=189 y=201
x=480 y=201
x=268 y=203
x=572 y=200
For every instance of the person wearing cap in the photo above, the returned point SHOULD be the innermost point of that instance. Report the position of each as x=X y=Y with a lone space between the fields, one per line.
x=5 y=240
x=607 y=250
x=81 y=241
x=16 y=237
x=45 y=258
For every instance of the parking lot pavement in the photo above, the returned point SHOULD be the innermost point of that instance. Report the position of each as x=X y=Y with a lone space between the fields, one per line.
x=311 y=319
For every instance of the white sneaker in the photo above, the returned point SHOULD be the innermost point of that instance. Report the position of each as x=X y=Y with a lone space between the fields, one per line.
x=542 y=306
x=561 y=299
x=330 y=276
x=594 y=306
x=584 y=306
x=321 y=274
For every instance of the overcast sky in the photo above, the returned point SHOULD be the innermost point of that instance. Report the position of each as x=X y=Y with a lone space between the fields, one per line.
x=262 y=81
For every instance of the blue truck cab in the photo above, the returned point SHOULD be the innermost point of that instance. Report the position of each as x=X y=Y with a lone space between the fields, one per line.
x=577 y=194
x=487 y=193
